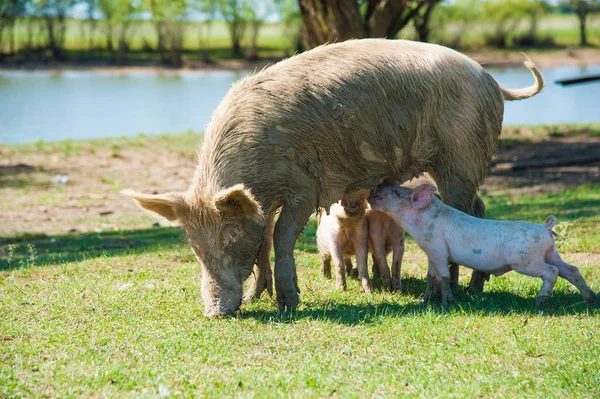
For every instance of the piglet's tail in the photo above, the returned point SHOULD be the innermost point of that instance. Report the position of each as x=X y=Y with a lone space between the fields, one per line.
x=550 y=222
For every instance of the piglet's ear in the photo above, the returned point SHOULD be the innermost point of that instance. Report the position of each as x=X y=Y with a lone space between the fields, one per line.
x=421 y=195
x=171 y=206
x=238 y=200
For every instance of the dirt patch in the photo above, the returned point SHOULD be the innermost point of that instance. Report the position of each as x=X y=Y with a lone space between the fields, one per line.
x=527 y=167
x=53 y=192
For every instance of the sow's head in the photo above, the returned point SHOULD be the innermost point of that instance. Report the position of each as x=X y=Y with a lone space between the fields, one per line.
x=225 y=233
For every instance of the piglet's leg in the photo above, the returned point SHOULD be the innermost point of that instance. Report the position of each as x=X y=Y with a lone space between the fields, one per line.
x=433 y=289
x=337 y=256
x=440 y=267
x=363 y=270
x=546 y=272
x=380 y=262
x=572 y=275
x=351 y=271
x=326 y=266
x=397 y=265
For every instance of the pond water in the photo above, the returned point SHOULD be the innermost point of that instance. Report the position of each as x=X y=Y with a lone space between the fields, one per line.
x=78 y=105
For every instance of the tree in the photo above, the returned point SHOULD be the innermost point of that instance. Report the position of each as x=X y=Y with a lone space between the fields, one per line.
x=338 y=20
x=109 y=11
x=118 y=15
x=168 y=17
x=54 y=16
x=236 y=14
x=462 y=14
x=258 y=11
x=10 y=10
x=583 y=8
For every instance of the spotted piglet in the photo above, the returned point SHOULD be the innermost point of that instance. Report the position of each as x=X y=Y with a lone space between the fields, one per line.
x=491 y=246
x=352 y=228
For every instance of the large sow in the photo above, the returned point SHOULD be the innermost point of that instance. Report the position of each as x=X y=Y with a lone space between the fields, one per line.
x=302 y=133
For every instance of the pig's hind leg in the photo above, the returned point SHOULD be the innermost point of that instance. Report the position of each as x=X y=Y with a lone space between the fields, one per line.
x=571 y=274
x=546 y=272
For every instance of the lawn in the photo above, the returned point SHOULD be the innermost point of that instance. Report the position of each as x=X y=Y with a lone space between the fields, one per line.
x=97 y=301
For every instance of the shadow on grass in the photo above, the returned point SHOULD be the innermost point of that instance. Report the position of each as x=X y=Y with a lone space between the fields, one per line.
x=26 y=250
x=19 y=176
x=499 y=303
x=494 y=303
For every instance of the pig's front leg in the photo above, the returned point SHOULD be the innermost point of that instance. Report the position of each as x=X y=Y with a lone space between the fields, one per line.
x=289 y=226
x=326 y=266
x=439 y=264
x=337 y=256
x=433 y=289
x=380 y=263
x=351 y=271
x=397 y=265
x=263 y=276
x=362 y=254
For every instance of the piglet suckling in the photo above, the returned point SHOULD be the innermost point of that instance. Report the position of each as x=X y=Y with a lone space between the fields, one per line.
x=352 y=228
x=492 y=246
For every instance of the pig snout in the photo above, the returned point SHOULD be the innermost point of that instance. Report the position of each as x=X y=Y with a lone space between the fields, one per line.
x=221 y=294
x=376 y=197
x=222 y=308
x=351 y=205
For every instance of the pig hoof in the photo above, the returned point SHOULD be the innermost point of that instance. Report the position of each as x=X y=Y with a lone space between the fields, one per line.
x=367 y=287
x=541 y=301
x=591 y=298
x=428 y=297
x=396 y=286
x=249 y=297
x=287 y=301
x=353 y=273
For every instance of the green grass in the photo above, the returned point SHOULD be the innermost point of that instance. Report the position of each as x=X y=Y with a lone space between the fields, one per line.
x=119 y=313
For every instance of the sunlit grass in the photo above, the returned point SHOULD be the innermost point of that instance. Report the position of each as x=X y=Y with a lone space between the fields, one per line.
x=119 y=313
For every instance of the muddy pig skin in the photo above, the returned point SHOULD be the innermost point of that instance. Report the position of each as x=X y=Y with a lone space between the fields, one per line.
x=492 y=246
x=352 y=228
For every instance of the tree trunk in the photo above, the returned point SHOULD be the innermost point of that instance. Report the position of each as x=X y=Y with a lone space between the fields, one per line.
x=50 y=28
x=11 y=38
x=109 y=36
x=582 y=15
x=422 y=21
x=160 y=41
x=328 y=21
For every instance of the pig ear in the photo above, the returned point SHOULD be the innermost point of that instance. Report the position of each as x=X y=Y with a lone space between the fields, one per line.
x=239 y=200
x=421 y=195
x=170 y=206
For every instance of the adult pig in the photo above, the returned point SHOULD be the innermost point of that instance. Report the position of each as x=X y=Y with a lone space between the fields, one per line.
x=299 y=134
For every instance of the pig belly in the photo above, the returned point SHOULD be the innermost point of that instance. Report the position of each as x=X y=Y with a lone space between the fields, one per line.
x=481 y=259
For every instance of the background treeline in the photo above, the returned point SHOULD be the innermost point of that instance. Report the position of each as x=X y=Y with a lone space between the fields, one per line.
x=167 y=31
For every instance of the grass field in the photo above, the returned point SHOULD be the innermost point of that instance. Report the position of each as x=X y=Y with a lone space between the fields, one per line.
x=109 y=306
